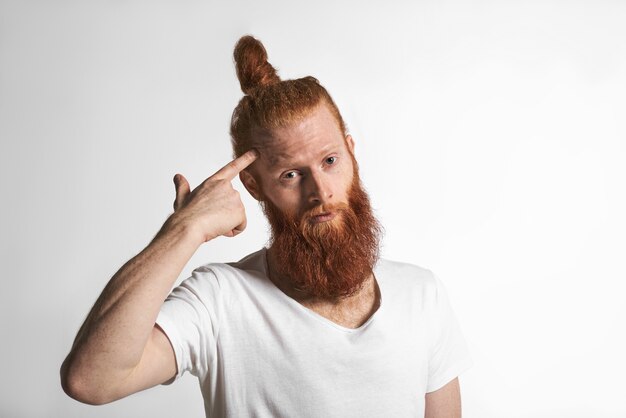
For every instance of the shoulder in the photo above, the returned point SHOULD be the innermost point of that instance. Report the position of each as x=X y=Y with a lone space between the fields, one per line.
x=405 y=280
x=251 y=264
x=404 y=273
x=227 y=278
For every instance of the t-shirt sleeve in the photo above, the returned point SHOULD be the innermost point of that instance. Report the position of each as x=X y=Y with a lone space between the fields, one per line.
x=188 y=319
x=449 y=354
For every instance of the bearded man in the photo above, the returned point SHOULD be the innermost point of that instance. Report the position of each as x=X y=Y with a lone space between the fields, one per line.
x=316 y=325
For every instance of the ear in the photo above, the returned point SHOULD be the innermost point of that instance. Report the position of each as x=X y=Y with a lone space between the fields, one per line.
x=350 y=143
x=251 y=185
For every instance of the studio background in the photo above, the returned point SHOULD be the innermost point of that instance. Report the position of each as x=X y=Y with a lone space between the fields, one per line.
x=490 y=136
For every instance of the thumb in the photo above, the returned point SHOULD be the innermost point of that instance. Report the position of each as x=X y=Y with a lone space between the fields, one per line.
x=182 y=190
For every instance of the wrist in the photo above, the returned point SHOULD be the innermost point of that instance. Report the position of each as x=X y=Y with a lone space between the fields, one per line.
x=178 y=230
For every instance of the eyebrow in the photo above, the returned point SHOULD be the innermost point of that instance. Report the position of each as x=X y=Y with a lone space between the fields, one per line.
x=276 y=157
x=286 y=159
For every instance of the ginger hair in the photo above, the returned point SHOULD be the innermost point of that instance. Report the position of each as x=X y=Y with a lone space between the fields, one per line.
x=270 y=102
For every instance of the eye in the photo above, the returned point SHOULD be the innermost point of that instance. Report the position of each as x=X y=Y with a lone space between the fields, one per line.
x=289 y=175
x=331 y=160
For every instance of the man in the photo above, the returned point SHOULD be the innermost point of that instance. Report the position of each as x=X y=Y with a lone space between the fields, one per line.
x=315 y=326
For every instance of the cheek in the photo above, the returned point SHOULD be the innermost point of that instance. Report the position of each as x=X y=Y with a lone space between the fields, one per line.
x=348 y=179
x=286 y=202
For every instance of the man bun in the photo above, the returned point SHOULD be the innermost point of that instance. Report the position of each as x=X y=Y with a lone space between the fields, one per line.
x=269 y=102
x=253 y=70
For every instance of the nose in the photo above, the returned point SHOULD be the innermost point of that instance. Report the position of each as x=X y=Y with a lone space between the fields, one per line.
x=319 y=189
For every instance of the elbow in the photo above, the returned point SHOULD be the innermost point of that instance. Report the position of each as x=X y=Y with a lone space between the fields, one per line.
x=78 y=387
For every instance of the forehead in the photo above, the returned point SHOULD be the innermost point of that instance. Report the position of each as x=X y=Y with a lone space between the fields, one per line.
x=316 y=133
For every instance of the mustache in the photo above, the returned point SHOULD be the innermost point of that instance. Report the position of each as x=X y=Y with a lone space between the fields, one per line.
x=323 y=209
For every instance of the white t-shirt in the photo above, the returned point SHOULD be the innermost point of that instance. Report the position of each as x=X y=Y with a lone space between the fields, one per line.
x=259 y=353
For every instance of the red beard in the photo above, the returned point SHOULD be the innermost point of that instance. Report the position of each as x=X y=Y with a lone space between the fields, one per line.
x=329 y=260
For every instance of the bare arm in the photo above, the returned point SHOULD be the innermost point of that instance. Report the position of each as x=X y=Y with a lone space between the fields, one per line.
x=119 y=350
x=444 y=402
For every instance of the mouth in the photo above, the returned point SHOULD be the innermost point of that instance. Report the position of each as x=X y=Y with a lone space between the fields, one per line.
x=323 y=217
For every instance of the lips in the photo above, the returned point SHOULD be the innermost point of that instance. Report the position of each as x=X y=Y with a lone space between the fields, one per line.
x=323 y=217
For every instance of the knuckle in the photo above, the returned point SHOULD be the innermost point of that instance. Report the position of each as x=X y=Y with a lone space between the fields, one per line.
x=233 y=165
x=221 y=183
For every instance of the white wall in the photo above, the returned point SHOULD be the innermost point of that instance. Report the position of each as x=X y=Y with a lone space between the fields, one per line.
x=490 y=135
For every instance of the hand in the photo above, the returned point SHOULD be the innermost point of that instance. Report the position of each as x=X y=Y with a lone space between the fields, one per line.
x=213 y=208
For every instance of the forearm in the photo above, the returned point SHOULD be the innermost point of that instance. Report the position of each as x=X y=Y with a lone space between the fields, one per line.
x=111 y=341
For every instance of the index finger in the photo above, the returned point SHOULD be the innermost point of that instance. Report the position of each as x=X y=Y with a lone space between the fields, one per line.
x=230 y=170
